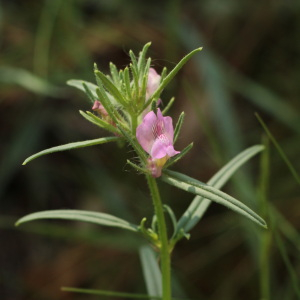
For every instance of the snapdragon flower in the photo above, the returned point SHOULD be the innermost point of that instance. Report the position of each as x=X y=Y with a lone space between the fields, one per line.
x=155 y=134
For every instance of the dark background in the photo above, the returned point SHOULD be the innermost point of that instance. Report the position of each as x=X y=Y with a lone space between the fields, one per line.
x=250 y=63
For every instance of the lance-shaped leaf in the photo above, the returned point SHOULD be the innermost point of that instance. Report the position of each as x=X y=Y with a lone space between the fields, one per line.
x=199 y=205
x=170 y=76
x=151 y=271
x=72 y=146
x=97 y=121
x=80 y=215
x=178 y=126
x=194 y=186
x=110 y=86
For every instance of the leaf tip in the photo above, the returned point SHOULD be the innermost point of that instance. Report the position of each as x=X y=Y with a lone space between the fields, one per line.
x=25 y=161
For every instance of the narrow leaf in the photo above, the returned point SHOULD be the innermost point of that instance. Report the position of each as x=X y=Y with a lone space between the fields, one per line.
x=134 y=61
x=144 y=78
x=127 y=83
x=89 y=93
x=115 y=74
x=105 y=101
x=142 y=57
x=72 y=146
x=178 y=126
x=109 y=85
x=199 y=205
x=151 y=271
x=170 y=76
x=97 y=121
x=194 y=186
x=80 y=215
x=168 y=106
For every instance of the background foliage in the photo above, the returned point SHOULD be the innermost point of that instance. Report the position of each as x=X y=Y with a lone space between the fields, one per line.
x=250 y=63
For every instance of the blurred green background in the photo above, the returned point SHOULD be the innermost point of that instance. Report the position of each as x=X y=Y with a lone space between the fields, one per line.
x=250 y=63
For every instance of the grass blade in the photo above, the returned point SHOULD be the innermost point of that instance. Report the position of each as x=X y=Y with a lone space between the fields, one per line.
x=29 y=81
x=108 y=293
x=279 y=149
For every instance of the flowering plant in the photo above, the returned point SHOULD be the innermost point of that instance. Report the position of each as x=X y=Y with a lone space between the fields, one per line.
x=126 y=104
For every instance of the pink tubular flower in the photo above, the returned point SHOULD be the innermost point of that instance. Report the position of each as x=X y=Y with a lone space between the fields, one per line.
x=98 y=107
x=155 y=135
x=153 y=83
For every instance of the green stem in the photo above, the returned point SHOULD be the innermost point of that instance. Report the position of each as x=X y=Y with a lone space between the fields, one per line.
x=163 y=236
x=133 y=123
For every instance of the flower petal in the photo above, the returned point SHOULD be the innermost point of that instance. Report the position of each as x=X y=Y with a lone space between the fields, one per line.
x=144 y=132
x=159 y=149
x=171 y=151
x=168 y=125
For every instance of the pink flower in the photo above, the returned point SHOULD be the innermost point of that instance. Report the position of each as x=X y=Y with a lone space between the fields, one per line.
x=153 y=83
x=98 y=107
x=155 y=135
